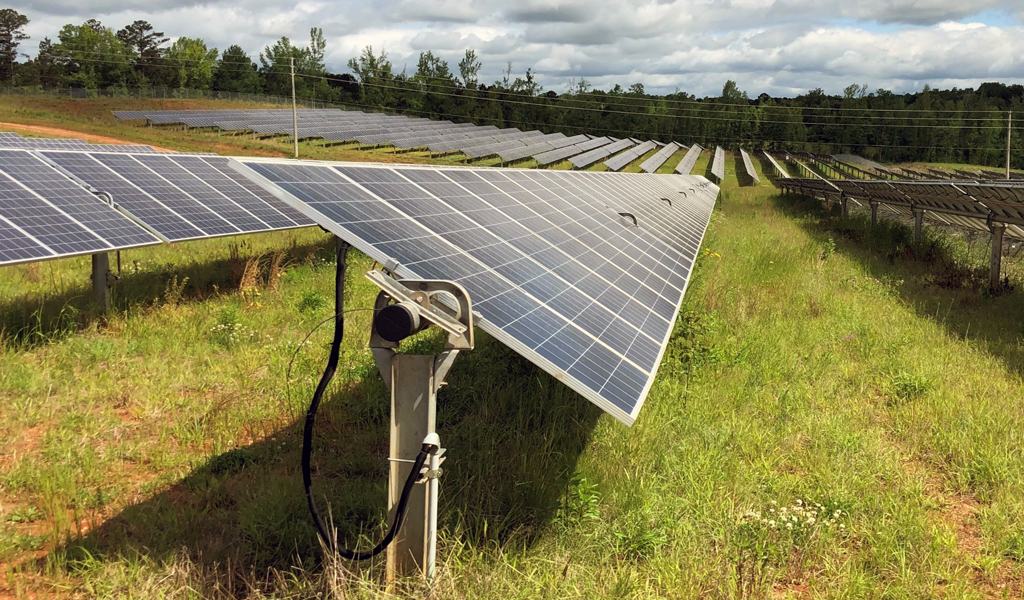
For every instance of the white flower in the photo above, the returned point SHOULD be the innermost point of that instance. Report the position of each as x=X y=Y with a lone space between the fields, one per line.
x=789 y=525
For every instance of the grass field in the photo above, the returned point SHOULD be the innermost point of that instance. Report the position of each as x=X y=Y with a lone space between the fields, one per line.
x=839 y=415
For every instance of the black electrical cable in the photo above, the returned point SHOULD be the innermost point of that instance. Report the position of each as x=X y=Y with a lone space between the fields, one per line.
x=307 y=433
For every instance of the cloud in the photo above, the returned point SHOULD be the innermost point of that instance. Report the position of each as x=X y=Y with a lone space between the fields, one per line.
x=781 y=47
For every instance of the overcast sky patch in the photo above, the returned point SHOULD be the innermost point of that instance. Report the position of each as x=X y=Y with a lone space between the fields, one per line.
x=781 y=47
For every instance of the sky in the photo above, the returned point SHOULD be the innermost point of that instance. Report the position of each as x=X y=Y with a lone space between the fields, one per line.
x=781 y=47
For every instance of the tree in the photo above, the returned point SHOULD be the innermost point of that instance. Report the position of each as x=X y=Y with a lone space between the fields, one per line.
x=375 y=75
x=92 y=57
x=637 y=89
x=731 y=92
x=146 y=43
x=235 y=72
x=469 y=69
x=12 y=24
x=192 y=63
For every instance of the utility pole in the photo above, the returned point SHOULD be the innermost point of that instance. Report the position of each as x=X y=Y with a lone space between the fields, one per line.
x=295 y=114
x=1009 y=130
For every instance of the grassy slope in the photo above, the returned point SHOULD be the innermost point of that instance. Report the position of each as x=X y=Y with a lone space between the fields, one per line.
x=812 y=362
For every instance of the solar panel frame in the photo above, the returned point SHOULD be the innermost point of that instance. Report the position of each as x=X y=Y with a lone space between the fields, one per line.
x=749 y=166
x=654 y=163
x=686 y=165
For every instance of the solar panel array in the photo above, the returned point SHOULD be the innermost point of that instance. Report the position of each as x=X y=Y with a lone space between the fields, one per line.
x=778 y=168
x=689 y=160
x=554 y=271
x=588 y=158
x=619 y=161
x=654 y=163
x=553 y=156
x=15 y=141
x=861 y=162
x=748 y=165
x=45 y=215
x=969 y=204
x=180 y=197
x=369 y=129
x=718 y=164
x=538 y=146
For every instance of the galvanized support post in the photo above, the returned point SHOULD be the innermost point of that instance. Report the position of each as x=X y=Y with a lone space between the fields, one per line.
x=844 y=205
x=101 y=280
x=997 y=254
x=413 y=413
x=918 y=220
x=874 y=214
x=295 y=115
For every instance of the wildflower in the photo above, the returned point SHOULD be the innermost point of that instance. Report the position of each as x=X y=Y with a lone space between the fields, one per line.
x=789 y=525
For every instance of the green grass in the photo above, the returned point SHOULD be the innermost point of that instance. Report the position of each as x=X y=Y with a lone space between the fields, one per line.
x=154 y=452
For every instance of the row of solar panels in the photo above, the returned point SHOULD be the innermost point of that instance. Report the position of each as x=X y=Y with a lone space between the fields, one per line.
x=583 y=273
x=10 y=139
x=969 y=204
x=372 y=129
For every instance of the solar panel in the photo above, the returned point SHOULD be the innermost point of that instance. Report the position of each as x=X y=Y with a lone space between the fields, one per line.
x=689 y=160
x=748 y=165
x=718 y=164
x=619 y=161
x=778 y=168
x=654 y=163
x=180 y=197
x=588 y=158
x=44 y=215
x=553 y=272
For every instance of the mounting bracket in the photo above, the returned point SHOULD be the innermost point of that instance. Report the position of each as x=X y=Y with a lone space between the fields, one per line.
x=404 y=307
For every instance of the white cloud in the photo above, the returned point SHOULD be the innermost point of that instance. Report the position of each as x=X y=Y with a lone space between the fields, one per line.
x=780 y=47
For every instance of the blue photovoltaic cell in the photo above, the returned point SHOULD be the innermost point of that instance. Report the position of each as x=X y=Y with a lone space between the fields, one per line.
x=182 y=197
x=551 y=267
x=66 y=195
x=135 y=201
x=45 y=215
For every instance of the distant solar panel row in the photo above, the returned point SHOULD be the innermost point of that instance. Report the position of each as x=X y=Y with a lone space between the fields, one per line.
x=654 y=163
x=967 y=204
x=685 y=166
x=619 y=161
x=588 y=158
x=749 y=166
x=718 y=164
x=553 y=156
x=778 y=168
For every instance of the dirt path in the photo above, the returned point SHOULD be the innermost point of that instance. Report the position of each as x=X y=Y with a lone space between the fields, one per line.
x=68 y=133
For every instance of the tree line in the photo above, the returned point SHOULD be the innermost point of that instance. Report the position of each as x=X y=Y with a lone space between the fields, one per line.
x=957 y=125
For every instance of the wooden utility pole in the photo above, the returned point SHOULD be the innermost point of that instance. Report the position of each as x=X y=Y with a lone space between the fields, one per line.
x=295 y=113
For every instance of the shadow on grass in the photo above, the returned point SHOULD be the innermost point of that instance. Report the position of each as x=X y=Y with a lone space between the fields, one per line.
x=29 y=321
x=742 y=177
x=513 y=436
x=938 y=278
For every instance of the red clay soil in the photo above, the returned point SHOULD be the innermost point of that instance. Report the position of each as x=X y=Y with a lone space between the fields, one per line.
x=99 y=139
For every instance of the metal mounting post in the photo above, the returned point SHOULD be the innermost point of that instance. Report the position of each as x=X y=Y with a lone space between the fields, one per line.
x=403 y=308
x=101 y=277
x=918 y=220
x=997 y=254
x=845 y=206
x=874 y=214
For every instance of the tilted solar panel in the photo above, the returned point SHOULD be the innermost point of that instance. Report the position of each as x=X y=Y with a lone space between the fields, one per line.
x=43 y=215
x=553 y=272
x=749 y=166
x=180 y=197
x=718 y=164
x=619 y=161
x=685 y=166
x=654 y=163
